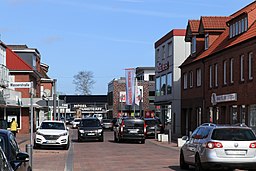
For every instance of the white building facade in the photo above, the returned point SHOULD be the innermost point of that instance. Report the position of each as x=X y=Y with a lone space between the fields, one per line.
x=170 y=52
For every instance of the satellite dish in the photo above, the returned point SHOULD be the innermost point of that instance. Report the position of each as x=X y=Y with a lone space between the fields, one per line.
x=47 y=92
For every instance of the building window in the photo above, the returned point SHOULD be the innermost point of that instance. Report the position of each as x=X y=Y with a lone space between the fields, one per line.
x=163 y=52
x=191 y=79
x=245 y=24
x=242 y=68
x=185 y=81
x=163 y=85
x=151 y=77
x=170 y=49
x=157 y=54
x=231 y=71
x=236 y=28
x=210 y=76
x=198 y=77
x=239 y=27
x=230 y=31
x=193 y=45
x=216 y=75
x=158 y=86
x=169 y=83
x=242 y=25
x=225 y=73
x=250 y=65
x=34 y=62
x=206 y=41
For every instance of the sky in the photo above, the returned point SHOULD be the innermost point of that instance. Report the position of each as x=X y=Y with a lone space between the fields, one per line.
x=101 y=36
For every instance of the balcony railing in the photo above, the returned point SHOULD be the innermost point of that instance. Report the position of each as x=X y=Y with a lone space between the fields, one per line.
x=4 y=76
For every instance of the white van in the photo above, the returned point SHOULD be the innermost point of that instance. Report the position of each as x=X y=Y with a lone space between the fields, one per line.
x=98 y=115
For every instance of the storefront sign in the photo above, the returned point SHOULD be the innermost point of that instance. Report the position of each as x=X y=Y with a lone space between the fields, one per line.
x=223 y=98
x=20 y=84
x=163 y=66
x=84 y=107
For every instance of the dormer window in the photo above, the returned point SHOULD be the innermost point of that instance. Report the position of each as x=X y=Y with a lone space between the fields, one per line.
x=206 y=41
x=193 y=45
x=238 y=27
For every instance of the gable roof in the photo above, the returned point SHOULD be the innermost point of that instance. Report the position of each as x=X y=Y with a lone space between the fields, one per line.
x=213 y=24
x=223 y=41
x=192 y=29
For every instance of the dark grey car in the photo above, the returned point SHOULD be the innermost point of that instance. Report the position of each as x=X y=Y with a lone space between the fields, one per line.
x=90 y=129
x=129 y=129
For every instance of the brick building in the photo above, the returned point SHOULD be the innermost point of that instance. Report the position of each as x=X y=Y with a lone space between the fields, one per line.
x=117 y=92
x=219 y=76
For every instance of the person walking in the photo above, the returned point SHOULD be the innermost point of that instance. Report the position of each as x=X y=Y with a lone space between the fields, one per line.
x=14 y=127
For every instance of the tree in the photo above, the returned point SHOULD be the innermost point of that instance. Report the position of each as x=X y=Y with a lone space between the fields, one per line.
x=84 y=82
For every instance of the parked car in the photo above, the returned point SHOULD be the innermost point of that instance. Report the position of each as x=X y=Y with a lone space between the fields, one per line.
x=90 y=129
x=150 y=124
x=19 y=161
x=75 y=122
x=107 y=124
x=52 y=133
x=4 y=164
x=129 y=128
x=221 y=147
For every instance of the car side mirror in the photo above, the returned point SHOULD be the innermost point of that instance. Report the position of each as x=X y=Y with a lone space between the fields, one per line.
x=185 y=138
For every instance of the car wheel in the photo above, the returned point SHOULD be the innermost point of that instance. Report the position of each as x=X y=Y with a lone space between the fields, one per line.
x=66 y=147
x=198 y=164
x=29 y=169
x=183 y=164
x=36 y=146
x=142 y=141
x=101 y=139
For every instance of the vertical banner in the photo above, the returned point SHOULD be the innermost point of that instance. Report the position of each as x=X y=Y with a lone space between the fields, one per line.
x=129 y=78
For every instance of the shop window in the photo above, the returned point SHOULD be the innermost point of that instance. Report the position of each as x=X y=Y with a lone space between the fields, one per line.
x=13 y=113
x=252 y=115
x=233 y=114
x=243 y=112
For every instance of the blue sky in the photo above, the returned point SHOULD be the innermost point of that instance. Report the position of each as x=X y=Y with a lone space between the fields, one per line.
x=101 y=36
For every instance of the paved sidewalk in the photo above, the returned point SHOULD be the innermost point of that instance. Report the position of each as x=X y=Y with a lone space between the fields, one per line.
x=172 y=145
x=22 y=140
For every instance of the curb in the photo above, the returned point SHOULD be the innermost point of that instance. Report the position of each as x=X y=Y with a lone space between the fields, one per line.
x=164 y=144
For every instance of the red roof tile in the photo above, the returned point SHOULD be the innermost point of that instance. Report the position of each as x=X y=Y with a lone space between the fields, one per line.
x=194 y=25
x=214 y=22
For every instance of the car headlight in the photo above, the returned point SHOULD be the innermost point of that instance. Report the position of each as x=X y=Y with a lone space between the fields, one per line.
x=81 y=131
x=100 y=130
x=39 y=133
x=64 y=134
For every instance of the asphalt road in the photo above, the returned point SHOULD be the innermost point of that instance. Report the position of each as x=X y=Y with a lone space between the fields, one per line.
x=106 y=156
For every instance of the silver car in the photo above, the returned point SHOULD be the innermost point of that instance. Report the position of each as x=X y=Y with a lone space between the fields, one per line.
x=219 y=147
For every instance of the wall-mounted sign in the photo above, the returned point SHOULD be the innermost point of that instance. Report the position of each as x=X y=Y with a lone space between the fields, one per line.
x=223 y=98
x=20 y=85
x=162 y=66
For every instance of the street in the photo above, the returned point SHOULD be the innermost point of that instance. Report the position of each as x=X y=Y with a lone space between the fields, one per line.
x=106 y=156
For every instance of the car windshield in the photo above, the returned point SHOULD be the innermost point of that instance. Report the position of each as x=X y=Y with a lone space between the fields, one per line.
x=233 y=134
x=151 y=122
x=52 y=125
x=90 y=123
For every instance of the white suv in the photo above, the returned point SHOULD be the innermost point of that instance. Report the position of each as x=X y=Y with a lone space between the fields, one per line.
x=52 y=133
x=221 y=147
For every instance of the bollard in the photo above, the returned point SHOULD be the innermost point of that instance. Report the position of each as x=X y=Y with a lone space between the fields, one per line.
x=170 y=136
x=29 y=150
x=156 y=132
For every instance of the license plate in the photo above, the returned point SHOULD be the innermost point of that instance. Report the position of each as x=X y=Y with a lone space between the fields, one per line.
x=236 y=152
x=134 y=131
x=51 y=142
x=91 y=134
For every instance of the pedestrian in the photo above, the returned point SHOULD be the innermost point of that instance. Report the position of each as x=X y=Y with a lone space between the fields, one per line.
x=14 y=127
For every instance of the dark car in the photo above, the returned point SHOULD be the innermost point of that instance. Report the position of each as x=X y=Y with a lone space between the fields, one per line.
x=107 y=124
x=127 y=128
x=150 y=124
x=4 y=164
x=90 y=129
x=18 y=160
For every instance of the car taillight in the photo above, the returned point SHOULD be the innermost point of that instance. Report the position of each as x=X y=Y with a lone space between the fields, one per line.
x=253 y=145
x=212 y=145
x=122 y=126
x=145 y=128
